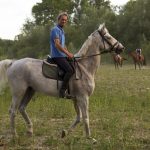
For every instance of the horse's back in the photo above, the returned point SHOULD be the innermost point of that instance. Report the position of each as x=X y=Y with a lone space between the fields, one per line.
x=20 y=70
x=23 y=66
x=27 y=72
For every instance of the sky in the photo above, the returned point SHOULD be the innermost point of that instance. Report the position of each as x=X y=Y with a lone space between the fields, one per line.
x=118 y=2
x=13 y=14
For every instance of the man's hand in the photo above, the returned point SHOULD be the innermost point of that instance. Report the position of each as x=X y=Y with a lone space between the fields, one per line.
x=58 y=46
x=70 y=55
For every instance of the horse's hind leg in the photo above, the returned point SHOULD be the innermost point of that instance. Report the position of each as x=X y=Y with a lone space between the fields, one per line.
x=26 y=99
x=12 y=112
x=139 y=65
x=16 y=98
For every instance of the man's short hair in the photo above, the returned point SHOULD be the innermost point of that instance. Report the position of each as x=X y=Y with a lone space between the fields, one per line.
x=62 y=14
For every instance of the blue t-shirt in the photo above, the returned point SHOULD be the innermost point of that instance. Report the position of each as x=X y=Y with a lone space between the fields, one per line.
x=57 y=32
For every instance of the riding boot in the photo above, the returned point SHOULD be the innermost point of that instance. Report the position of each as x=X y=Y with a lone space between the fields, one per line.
x=62 y=93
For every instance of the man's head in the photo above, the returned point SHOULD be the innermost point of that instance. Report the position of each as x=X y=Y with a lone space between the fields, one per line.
x=62 y=19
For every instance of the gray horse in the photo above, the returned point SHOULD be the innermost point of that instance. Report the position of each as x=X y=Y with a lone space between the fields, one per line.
x=25 y=78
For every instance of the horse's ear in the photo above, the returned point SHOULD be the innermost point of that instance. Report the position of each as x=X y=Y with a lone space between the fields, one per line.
x=101 y=27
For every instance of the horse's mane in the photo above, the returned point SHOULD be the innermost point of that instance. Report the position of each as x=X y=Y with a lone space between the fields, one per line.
x=83 y=50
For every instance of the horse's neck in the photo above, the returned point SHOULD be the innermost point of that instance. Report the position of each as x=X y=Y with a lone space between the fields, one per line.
x=89 y=48
x=91 y=63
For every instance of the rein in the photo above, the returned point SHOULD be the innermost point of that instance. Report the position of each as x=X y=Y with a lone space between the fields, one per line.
x=112 y=48
x=83 y=57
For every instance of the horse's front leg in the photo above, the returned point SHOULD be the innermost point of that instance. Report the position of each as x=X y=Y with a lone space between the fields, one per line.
x=135 y=65
x=115 y=65
x=140 y=65
x=77 y=120
x=84 y=106
x=78 y=117
x=121 y=62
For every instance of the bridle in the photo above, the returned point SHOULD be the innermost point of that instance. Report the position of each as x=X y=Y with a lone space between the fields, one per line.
x=112 y=47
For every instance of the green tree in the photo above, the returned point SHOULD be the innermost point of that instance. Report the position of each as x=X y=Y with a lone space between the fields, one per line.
x=133 y=23
x=47 y=10
x=33 y=33
x=5 y=47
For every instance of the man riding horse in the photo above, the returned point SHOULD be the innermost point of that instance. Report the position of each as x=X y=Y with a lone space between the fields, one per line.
x=138 y=52
x=59 y=52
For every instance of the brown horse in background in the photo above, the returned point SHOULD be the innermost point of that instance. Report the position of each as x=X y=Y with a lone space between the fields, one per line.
x=118 y=60
x=138 y=60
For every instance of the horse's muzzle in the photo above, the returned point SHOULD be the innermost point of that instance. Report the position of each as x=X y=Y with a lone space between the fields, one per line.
x=120 y=48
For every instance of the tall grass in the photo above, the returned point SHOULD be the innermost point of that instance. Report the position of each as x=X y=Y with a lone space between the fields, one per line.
x=119 y=115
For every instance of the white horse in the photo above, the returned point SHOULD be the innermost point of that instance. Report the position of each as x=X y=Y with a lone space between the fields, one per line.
x=25 y=78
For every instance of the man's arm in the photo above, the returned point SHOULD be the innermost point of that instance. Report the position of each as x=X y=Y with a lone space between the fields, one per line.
x=59 y=47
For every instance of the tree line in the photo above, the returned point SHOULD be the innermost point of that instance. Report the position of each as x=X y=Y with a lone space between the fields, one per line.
x=130 y=24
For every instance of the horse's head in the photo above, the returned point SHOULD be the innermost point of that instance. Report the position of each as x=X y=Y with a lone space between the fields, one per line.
x=109 y=42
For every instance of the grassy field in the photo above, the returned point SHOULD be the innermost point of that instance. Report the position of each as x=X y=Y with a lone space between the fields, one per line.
x=119 y=116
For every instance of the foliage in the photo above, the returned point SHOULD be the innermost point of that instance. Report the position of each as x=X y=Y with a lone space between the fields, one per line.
x=5 y=47
x=47 y=10
x=130 y=24
x=33 y=44
x=133 y=23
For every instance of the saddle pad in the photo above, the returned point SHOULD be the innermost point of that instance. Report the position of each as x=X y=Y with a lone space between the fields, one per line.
x=51 y=71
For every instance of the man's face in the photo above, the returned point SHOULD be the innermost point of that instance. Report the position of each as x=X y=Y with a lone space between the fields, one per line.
x=62 y=21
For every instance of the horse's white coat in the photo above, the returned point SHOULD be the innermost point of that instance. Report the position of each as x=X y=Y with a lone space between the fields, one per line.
x=25 y=77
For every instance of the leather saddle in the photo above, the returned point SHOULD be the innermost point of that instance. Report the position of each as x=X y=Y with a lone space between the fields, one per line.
x=51 y=70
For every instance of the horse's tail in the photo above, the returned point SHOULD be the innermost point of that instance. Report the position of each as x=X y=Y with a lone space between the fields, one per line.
x=4 y=65
x=144 y=61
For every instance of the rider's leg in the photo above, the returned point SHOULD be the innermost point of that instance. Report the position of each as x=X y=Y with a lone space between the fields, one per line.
x=69 y=71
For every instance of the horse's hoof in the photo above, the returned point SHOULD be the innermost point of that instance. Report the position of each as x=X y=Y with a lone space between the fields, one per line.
x=63 y=133
x=94 y=141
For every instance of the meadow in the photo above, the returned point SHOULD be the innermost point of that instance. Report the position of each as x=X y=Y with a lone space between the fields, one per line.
x=119 y=115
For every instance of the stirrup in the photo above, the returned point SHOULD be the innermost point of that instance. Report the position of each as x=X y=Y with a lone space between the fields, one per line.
x=64 y=94
x=68 y=96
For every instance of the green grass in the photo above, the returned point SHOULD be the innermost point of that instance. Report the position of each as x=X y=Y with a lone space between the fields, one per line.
x=119 y=115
